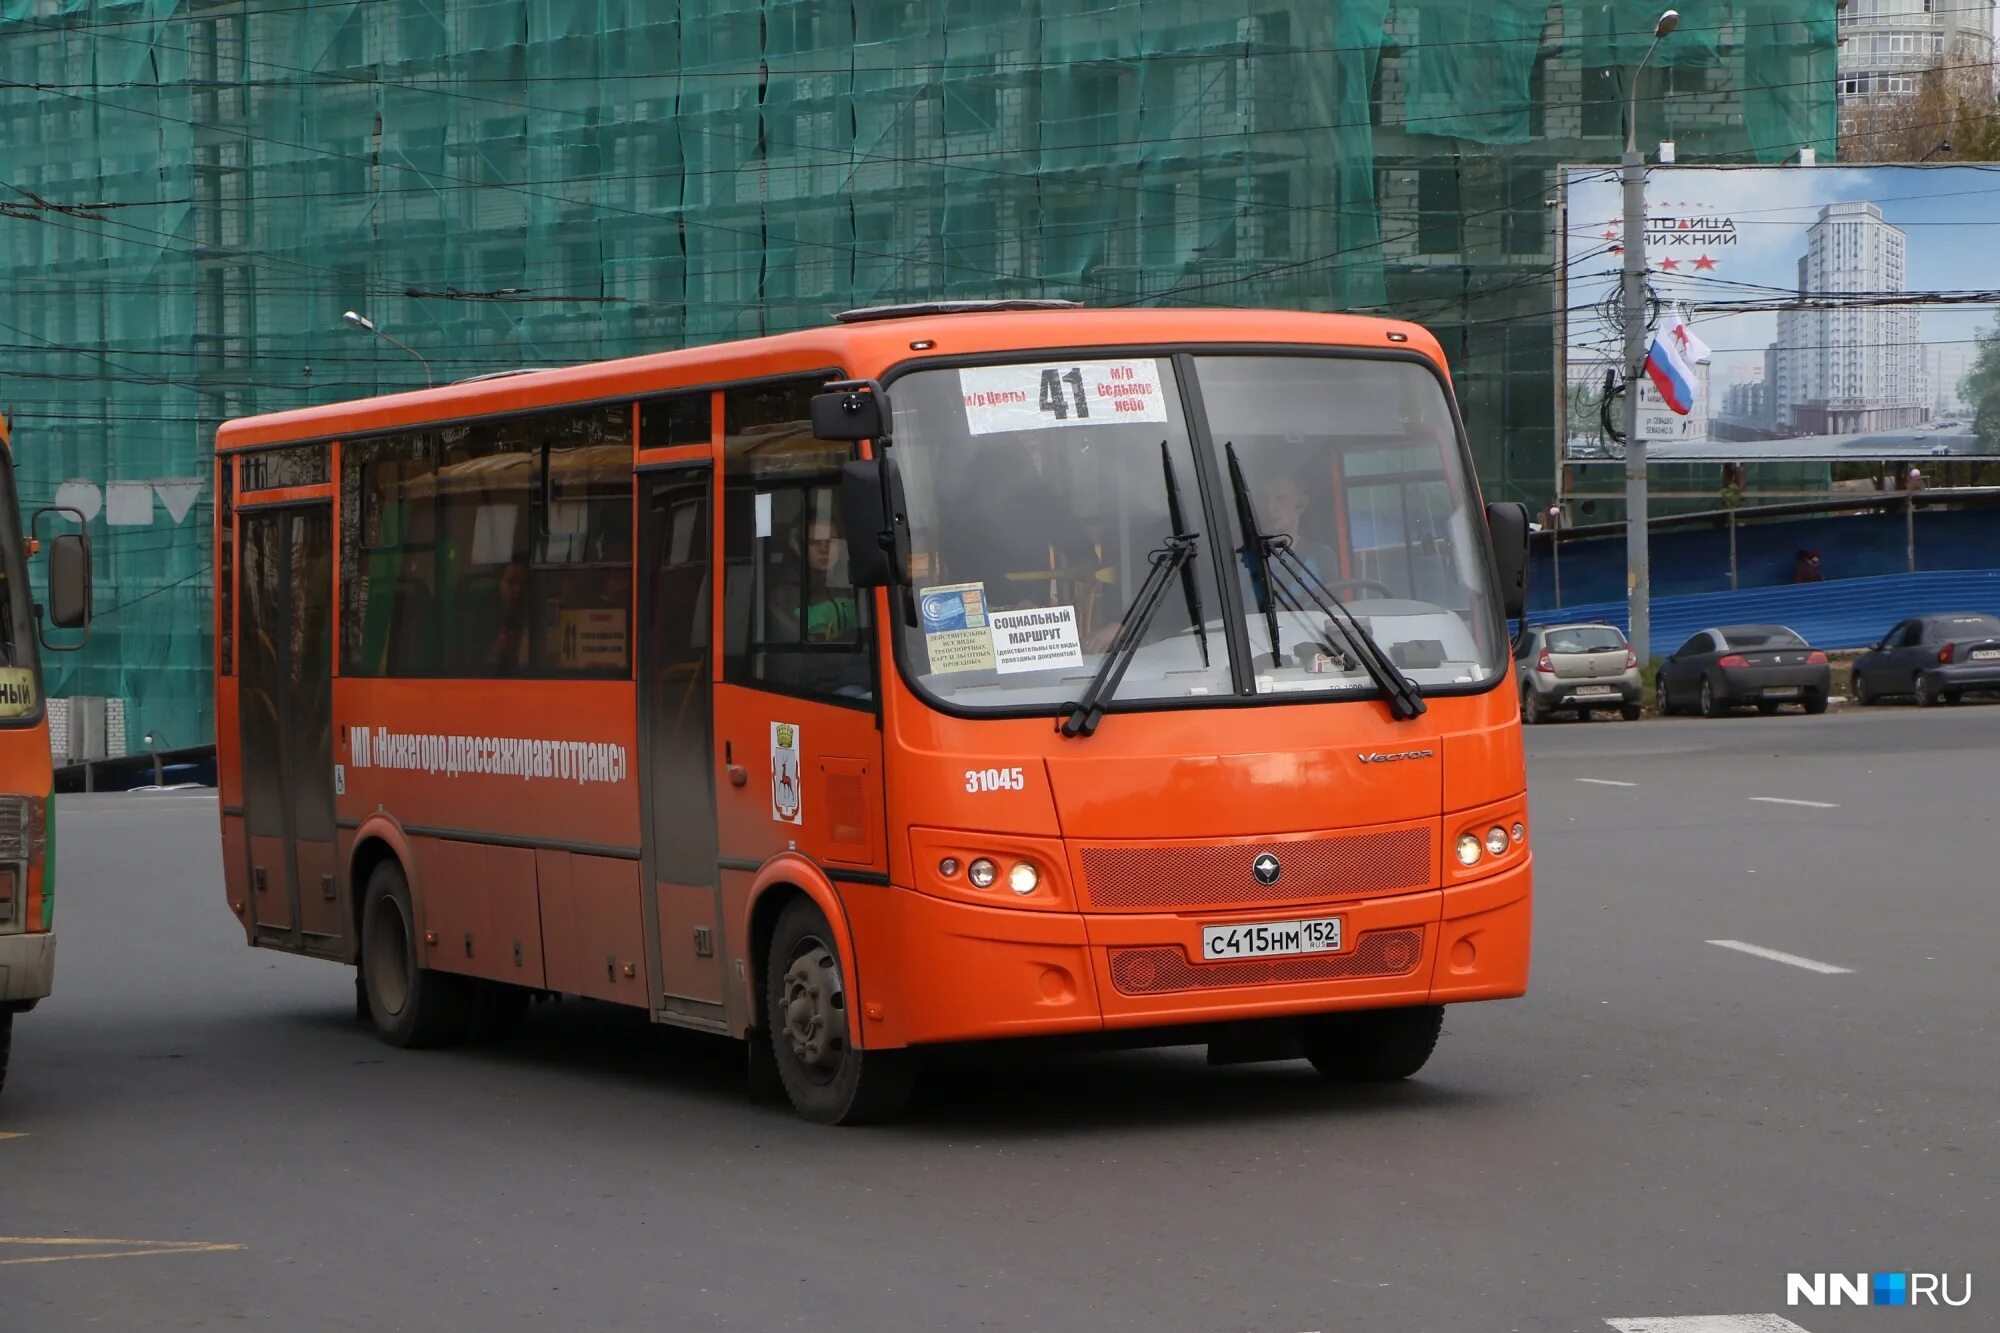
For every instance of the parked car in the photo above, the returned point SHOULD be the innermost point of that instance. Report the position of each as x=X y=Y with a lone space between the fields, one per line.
x=1735 y=665
x=1581 y=668
x=1931 y=660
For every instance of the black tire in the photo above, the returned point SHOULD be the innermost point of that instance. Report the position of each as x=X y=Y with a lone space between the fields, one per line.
x=1863 y=696
x=1373 y=1045
x=1531 y=708
x=410 y=1006
x=1661 y=703
x=6 y=1043
x=1710 y=705
x=1923 y=691
x=829 y=1079
x=1631 y=712
x=1815 y=704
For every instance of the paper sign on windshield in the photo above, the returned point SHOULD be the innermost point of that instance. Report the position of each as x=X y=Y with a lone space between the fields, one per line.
x=1035 y=640
x=1077 y=393
x=955 y=631
x=17 y=692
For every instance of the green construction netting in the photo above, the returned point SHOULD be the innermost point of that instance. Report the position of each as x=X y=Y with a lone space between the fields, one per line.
x=196 y=189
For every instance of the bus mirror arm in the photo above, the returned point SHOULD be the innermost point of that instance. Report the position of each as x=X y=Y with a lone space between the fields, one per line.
x=1507 y=523
x=69 y=592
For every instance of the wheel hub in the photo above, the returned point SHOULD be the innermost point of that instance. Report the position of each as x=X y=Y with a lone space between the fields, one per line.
x=815 y=1010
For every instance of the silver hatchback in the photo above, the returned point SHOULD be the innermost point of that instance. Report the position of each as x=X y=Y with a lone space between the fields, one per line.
x=1577 y=668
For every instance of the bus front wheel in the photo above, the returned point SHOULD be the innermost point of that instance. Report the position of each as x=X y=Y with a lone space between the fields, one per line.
x=830 y=1079
x=410 y=1006
x=1373 y=1045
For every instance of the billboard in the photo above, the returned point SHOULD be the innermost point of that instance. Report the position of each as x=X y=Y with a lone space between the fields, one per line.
x=1843 y=310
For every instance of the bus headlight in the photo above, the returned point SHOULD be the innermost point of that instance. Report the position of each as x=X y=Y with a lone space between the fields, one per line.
x=1468 y=850
x=1496 y=841
x=982 y=873
x=1023 y=878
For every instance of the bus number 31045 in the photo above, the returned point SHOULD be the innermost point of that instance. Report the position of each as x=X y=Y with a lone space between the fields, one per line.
x=995 y=779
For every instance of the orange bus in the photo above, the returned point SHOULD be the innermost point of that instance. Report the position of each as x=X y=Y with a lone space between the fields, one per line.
x=948 y=673
x=27 y=777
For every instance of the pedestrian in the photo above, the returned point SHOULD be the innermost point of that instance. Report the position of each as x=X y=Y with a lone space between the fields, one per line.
x=1806 y=569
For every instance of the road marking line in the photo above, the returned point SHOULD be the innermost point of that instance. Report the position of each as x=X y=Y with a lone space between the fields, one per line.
x=132 y=1249
x=1605 y=782
x=1759 y=951
x=1708 y=1323
x=4 y=1136
x=1786 y=800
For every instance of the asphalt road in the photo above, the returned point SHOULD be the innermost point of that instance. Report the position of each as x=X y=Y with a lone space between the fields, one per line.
x=1664 y=1127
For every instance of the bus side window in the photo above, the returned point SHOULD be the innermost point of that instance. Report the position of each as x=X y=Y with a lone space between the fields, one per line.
x=791 y=620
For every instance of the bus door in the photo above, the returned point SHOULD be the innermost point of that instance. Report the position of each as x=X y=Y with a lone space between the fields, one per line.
x=285 y=674
x=683 y=908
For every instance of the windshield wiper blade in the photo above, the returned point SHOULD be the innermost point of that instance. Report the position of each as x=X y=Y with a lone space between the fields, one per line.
x=1254 y=548
x=1189 y=583
x=1274 y=551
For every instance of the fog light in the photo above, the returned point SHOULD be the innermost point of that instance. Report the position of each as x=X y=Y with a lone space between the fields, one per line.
x=948 y=867
x=1496 y=841
x=1468 y=850
x=1520 y=832
x=982 y=873
x=1023 y=878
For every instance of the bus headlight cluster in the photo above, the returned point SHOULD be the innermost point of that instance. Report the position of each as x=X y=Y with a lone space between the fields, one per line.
x=1494 y=843
x=1023 y=878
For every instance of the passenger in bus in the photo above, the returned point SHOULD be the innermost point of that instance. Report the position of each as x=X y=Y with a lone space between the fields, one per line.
x=508 y=654
x=809 y=600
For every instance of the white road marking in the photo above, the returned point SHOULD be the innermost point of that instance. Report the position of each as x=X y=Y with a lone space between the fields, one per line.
x=1786 y=800
x=1759 y=951
x=1708 y=1323
x=1606 y=782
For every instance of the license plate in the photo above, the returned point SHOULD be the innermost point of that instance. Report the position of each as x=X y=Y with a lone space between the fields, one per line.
x=1596 y=689
x=1268 y=938
x=1985 y=654
x=1782 y=692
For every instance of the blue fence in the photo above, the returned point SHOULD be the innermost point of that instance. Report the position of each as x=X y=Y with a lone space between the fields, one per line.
x=1694 y=557
x=1840 y=613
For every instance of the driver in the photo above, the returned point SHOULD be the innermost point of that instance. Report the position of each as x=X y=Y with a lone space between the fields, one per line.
x=1281 y=507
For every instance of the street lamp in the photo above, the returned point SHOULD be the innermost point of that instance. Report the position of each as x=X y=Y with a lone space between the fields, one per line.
x=360 y=321
x=1638 y=571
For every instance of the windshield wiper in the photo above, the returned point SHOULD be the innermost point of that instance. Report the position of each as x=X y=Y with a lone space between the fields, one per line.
x=1176 y=556
x=1269 y=551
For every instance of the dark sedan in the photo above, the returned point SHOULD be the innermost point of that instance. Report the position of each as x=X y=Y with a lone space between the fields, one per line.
x=1738 y=665
x=1932 y=660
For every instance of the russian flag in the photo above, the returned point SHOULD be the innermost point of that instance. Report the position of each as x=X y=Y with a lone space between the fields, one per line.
x=1670 y=370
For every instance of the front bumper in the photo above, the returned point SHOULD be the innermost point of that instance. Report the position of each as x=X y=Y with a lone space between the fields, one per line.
x=962 y=972
x=27 y=966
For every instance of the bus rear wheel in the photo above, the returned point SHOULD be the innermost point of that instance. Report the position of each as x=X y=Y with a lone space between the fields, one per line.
x=410 y=1006
x=830 y=1079
x=1373 y=1045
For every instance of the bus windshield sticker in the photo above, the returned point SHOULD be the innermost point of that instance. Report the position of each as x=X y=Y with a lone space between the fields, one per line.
x=955 y=630
x=1027 y=396
x=17 y=692
x=1036 y=639
x=787 y=801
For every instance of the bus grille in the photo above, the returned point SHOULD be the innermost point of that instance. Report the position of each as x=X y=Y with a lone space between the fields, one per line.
x=1211 y=875
x=1155 y=971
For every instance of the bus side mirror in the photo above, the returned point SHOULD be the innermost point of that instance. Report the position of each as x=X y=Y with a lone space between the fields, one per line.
x=69 y=581
x=871 y=514
x=848 y=414
x=1508 y=525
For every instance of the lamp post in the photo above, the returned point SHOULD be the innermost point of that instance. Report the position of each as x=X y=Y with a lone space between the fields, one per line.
x=360 y=321
x=1638 y=569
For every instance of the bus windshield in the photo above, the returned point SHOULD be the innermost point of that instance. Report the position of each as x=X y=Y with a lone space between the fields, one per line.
x=17 y=638
x=1039 y=494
